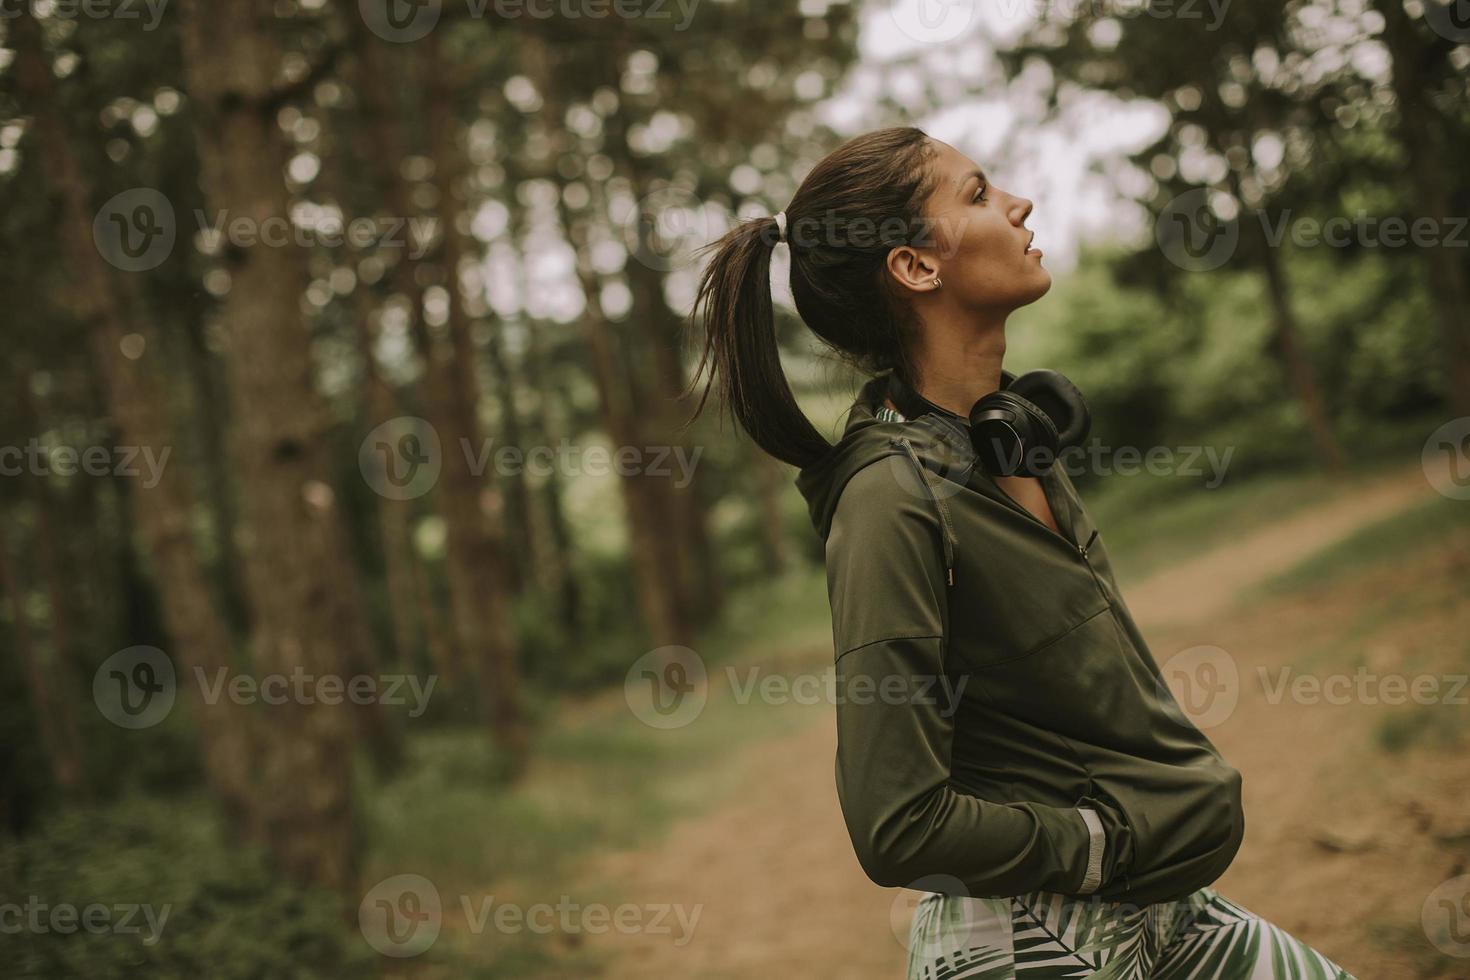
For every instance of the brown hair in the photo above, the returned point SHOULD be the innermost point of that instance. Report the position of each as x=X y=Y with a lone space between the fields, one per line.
x=862 y=200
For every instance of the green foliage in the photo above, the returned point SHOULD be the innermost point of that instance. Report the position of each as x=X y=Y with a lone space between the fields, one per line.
x=220 y=910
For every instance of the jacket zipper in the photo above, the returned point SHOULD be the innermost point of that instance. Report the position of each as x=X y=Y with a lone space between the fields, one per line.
x=1080 y=549
x=1072 y=545
x=948 y=530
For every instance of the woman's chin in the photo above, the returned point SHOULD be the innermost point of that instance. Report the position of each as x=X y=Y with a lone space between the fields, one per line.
x=1039 y=283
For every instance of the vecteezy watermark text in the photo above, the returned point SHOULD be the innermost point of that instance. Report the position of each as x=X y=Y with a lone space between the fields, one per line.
x=401 y=917
x=402 y=22
x=136 y=688
x=402 y=459
x=300 y=687
x=1199 y=230
x=829 y=687
x=1364 y=686
x=37 y=459
x=136 y=230
x=125 y=919
x=148 y=11
x=668 y=687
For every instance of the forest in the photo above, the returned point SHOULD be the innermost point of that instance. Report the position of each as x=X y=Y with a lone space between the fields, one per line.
x=350 y=462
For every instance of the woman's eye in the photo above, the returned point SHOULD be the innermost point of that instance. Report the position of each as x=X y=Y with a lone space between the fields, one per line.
x=980 y=195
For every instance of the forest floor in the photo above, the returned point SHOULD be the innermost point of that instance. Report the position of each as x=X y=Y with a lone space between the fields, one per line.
x=1356 y=808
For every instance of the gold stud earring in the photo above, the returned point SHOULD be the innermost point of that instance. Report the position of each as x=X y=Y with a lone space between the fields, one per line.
x=936 y=282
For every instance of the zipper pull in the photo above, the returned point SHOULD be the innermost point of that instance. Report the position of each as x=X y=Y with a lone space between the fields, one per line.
x=951 y=574
x=1082 y=549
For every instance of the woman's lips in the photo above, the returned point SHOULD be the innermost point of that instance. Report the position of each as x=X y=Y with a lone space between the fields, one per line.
x=1029 y=249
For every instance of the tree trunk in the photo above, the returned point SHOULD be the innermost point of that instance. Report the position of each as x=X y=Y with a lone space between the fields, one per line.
x=51 y=711
x=694 y=564
x=63 y=649
x=161 y=513
x=474 y=560
x=656 y=601
x=1300 y=374
x=477 y=539
x=1420 y=133
x=300 y=582
x=395 y=530
x=527 y=550
x=645 y=502
x=560 y=552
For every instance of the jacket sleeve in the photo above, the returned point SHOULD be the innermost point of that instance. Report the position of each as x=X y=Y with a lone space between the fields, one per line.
x=887 y=587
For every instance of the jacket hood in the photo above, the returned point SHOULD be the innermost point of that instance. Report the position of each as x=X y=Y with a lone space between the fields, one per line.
x=939 y=441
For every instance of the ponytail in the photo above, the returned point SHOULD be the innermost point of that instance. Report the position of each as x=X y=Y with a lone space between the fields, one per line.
x=740 y=350
x=863 y=199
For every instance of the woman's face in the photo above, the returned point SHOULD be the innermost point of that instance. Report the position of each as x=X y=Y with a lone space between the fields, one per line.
x=981 y=248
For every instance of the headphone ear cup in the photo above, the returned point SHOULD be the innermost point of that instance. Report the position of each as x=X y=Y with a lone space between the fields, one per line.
x=1059 y=400
x=1006 y=430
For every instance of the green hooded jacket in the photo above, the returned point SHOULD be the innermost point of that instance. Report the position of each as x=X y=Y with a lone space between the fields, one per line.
x=1001 y=721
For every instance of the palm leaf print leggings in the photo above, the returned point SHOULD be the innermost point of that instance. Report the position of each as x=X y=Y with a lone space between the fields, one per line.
x=1047 y=936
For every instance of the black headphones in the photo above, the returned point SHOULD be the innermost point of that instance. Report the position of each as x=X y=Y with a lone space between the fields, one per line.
x=1018 y=429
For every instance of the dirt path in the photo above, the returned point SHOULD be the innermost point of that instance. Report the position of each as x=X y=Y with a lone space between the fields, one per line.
x=1206 y=585
x=783 y=896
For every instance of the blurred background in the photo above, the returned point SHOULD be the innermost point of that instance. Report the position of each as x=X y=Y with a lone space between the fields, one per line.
x=352 y=523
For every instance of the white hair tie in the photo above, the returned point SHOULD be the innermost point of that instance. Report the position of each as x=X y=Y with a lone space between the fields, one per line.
x=780 y=226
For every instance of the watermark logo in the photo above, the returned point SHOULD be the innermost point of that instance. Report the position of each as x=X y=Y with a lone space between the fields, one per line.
x=948 y=469
x=1208 y=682
x=1446 y=458
x=1450 y=19
x=135 y=230
x=928 y=925
x=1446 y=917
x=932 y=21
x=135 y=688
x=402 y=458
x=1192 y=236
x=667 y=687
x=401 y=21
x=664 y=228
x=401 y=916
x=944 y=465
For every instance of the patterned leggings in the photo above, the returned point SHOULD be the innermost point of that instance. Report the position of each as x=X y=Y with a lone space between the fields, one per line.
x=1047 y=936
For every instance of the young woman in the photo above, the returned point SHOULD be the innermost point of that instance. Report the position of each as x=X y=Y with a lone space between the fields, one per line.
x=1006 y=742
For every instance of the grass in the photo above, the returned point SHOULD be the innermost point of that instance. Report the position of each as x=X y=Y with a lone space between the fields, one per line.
x=1413 y=615
x=1155 y=522
x=1395 y=539
x=601 y=781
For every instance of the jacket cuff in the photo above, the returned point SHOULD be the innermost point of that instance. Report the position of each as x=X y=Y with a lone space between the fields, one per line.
x=1096 y=847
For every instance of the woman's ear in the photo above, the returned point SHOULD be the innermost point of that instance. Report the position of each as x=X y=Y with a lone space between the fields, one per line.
x=911 y=268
